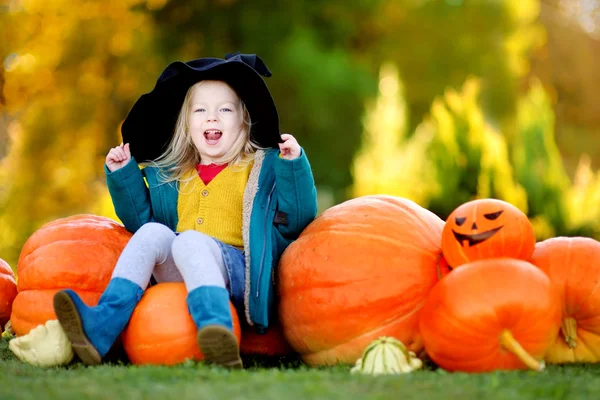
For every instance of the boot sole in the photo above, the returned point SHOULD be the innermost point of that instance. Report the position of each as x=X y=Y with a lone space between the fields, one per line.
x=219 y=346
x=69 y=319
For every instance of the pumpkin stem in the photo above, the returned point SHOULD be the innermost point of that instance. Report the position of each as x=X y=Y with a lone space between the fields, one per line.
x=508 y=341
x=568 y=328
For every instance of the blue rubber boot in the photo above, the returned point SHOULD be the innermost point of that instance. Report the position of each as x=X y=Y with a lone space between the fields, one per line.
x=93 y=330
x=209 y=308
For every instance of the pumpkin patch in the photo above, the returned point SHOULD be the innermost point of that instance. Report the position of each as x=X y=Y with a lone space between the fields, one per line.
x=371 y=267
x=78 y=252
x=573 y=265
x=360 y=270
x=486 y=228
x=161 y=330
x=8 y=291
x=480 y=317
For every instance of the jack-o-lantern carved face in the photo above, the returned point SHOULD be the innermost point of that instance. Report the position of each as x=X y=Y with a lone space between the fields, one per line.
x=486 y=228
x=482 y=235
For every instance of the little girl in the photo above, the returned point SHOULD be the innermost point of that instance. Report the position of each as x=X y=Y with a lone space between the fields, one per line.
x=221 y=196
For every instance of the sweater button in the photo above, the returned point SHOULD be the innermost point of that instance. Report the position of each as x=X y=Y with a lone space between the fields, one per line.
x=199 y=221
x=205 y=193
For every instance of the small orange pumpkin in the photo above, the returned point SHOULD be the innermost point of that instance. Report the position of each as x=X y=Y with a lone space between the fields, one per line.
x=486 y=228
x=161 y=330
x=78 y=252
x=496 y=314
x=272 y=343
x=8 y=291
x=360 y=270
x=573 y=265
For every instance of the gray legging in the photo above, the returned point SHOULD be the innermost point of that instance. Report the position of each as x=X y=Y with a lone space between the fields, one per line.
x=191 y=257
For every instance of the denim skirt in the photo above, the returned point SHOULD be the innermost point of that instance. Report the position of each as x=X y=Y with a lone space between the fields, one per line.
x=235 y=263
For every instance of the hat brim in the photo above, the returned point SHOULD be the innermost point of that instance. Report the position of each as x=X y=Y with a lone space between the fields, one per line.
x=150 y=124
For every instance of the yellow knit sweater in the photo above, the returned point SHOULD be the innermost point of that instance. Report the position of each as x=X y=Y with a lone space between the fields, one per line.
x=214 y=209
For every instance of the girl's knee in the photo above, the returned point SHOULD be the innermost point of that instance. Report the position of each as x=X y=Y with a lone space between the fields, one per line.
x=154 y=231
x=152 y=228
x=188 y=239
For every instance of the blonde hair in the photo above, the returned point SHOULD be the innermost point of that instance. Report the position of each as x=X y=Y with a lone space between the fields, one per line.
x=182 y=156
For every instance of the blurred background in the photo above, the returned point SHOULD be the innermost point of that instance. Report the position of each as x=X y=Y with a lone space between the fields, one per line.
x=439 y=101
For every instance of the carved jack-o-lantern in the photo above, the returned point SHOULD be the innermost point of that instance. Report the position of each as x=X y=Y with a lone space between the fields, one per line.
x=486 y=228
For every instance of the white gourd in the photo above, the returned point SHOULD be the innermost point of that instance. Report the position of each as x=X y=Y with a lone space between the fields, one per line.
x=44 y=346
x=386 y=356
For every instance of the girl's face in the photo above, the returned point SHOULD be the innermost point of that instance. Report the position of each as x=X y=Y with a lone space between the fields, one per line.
x=215 y=120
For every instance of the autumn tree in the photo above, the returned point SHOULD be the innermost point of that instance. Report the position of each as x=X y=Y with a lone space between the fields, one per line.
x=71 y=71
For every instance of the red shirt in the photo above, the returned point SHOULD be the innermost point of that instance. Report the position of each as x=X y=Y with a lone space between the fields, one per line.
x=209 y=171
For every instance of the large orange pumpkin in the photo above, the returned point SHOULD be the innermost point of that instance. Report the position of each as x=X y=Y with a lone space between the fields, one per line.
x=161 y=330
x=573 y=265
x=78 y=252
x=487 y=228
x=496 y=314
x=360 y=270
x=272 y=343
x=8 y=291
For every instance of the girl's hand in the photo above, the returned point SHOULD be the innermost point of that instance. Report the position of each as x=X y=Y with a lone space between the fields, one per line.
x=290 y=149
x=117 y=157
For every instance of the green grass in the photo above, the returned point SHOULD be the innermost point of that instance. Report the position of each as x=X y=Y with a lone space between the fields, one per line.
x=272 y=379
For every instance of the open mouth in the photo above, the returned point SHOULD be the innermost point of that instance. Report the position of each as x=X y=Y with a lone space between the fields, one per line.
x=476 y=238
x=212 y=136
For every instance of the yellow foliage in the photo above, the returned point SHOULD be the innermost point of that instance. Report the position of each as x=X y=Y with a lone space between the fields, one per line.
x=72 y=72
x=528 y=33
x=496 y=173
x=542 y=227
x=384 y=166
x=584 y=198
x=104 y=206
x=453 y=156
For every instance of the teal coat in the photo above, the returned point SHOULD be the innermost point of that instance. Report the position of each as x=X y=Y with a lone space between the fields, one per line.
x=279 y=202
